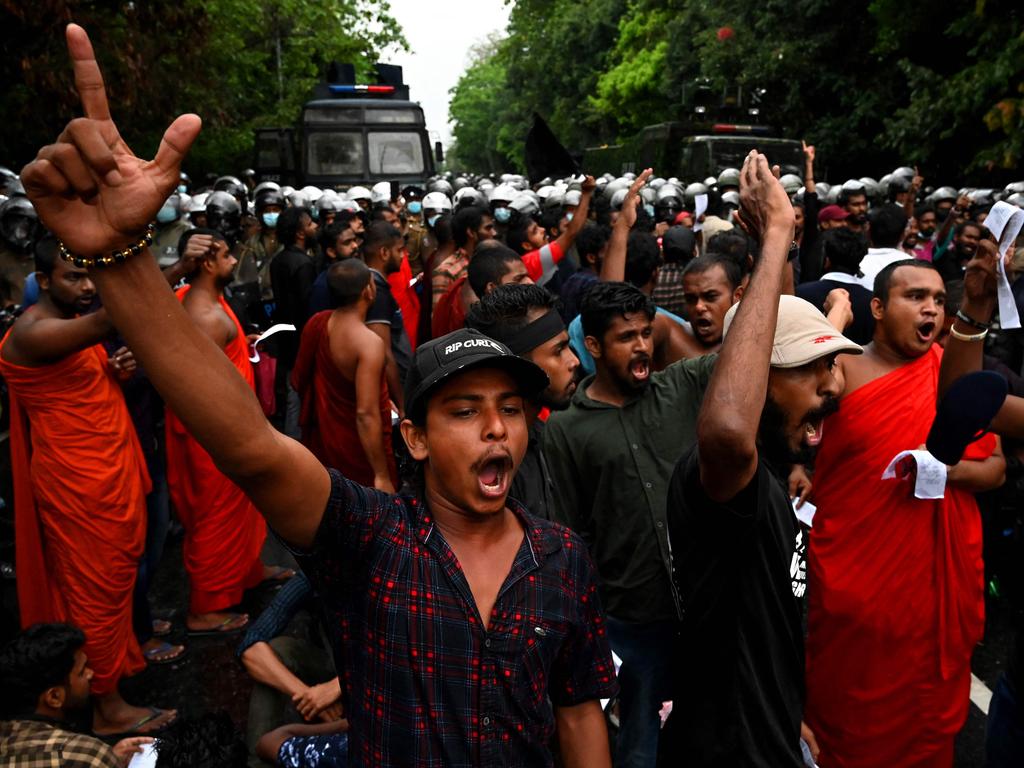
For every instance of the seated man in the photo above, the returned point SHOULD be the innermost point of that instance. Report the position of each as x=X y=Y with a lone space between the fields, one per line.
x=295 y=678
x=306 y=746
x=46 y=683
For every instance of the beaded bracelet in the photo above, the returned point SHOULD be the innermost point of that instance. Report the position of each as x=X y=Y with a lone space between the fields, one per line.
x=968 y=320
x=114 y=257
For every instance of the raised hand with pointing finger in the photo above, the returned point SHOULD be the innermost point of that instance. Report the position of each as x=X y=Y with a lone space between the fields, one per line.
x=88 y=187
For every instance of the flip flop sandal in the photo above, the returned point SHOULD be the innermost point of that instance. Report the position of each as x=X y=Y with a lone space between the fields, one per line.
x=965 y=413
x=220 y=629
x=162 y=627
x=154 y=713
x=163 y=648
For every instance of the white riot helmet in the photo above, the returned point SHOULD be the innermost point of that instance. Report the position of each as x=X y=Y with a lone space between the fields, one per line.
x=380 y=194
x=437 y=201
x=360 y=193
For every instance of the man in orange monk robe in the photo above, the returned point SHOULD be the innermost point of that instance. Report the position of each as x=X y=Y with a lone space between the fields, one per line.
x=224 y=532
x=80 y=483
x=895 y=582
x=340 y=376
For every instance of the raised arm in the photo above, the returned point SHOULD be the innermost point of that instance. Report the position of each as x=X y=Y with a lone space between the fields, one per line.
x=613 y=268
x=731 y=413
x=808 y=168
x=961 y=357
x=94 y=194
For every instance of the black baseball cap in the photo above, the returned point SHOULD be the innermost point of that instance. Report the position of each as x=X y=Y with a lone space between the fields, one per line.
x=439 y=359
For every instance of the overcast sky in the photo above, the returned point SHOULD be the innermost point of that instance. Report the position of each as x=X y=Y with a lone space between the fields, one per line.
x=440 y=35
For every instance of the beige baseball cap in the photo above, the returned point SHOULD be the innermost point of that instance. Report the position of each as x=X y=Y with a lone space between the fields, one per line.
x=802 y=334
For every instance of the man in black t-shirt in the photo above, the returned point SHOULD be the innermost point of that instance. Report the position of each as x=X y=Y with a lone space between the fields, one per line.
x=843 y=251
x=382 y=252
x=738 y=550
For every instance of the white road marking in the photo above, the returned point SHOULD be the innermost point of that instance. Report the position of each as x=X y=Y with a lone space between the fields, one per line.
x=981 y=696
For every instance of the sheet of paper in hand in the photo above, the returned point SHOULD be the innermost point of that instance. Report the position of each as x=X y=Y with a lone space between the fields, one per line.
x=1005 y=222
x=144 y=759
x=700 y=203
x=805 y=514
x=930 y=482
x=255 y=357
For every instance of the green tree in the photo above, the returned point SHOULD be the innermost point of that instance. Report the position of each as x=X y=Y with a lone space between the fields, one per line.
x=239 y=64
x=474 y=110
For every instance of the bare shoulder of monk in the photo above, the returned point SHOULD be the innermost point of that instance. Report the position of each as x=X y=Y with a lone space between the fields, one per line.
x=350 y=341
x=210 y=317
x=858 y=370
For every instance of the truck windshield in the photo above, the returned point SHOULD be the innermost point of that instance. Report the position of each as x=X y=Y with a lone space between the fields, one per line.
x=395 y=153
x=730 y=153
x=335 y=154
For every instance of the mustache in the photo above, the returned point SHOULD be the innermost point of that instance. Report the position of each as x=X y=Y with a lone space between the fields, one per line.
x=503 y=458
x=823 y=411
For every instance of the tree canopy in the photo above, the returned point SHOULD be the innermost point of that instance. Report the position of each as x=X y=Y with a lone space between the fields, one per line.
x=873 y=83
x=239 y=64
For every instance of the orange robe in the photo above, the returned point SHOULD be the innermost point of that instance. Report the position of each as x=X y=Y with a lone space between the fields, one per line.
x=896 y=601
x=224 y=532
x=328 y=416
x=80 y=485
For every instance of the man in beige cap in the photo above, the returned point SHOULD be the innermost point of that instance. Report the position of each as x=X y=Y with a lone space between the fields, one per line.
x=738 y=547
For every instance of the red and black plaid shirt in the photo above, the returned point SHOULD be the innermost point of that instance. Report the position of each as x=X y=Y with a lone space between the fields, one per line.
x=423 y=683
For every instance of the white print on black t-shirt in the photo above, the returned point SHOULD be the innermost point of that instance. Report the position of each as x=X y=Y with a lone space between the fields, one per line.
x=798 y=566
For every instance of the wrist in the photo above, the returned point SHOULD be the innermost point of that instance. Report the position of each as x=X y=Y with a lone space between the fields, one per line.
x=778 y=230
x=980 y=310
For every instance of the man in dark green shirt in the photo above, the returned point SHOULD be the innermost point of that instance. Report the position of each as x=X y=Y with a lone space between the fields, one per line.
x=611 y=455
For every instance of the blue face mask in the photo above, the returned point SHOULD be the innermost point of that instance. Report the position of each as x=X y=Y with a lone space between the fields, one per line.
x=166 y=214
x=433 y=220
x=650 y=210
x=502 y=215
x=270 y=219
x=414 y=207
x=182 y=188
x=568 y=216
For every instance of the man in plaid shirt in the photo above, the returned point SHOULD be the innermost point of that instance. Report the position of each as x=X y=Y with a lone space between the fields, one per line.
x=45 y=678
x=466 y=631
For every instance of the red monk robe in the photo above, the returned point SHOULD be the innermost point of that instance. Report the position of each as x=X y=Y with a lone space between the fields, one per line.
x=896 y=585
x=328 y=417
x=224 y=532
x=407 y=299
x=80 y=485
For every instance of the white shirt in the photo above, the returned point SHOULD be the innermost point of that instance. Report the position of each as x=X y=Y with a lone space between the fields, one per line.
x=876 y=260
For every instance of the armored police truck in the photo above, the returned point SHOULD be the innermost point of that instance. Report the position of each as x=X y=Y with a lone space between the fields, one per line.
x=350 y=134
x=718 y=130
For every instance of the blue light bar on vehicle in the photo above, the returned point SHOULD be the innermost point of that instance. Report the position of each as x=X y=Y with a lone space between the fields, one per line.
x=362 y=88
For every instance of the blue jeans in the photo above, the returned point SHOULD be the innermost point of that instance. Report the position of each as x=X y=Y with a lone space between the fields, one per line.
x=644 y=682
x=1004 y=736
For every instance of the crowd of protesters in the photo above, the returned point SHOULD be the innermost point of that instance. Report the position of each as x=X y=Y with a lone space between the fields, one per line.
x=550 y=455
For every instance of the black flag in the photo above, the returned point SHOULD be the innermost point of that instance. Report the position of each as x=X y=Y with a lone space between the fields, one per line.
x=545 y=156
